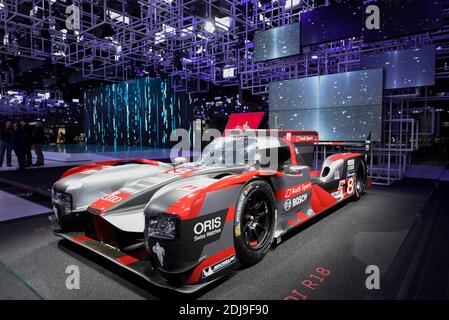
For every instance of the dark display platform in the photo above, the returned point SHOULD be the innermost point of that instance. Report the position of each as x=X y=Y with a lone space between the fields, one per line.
x=38 y=181
x=344 y=241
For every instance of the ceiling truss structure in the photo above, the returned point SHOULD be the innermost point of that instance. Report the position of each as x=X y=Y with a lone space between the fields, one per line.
x=194 y=42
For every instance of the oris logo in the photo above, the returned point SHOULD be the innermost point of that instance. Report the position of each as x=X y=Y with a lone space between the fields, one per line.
x=207 y=225
x=207 y=228
x=112 y=198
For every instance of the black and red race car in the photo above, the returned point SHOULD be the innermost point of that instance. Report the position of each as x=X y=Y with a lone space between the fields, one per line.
x=184 y=226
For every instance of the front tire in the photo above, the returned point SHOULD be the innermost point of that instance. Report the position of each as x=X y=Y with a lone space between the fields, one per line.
x=254 y=222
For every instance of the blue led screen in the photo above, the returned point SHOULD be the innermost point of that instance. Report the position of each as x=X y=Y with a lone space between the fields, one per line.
x=277 y=42
x=339 y=20
x=403 y=17
x=405 y=68
x=142 y=112
x=341 y=107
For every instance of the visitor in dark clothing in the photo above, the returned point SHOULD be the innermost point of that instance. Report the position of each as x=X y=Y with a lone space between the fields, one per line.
x=18 y=139
x=38 y=141
x=29 y=142
x=5 y=143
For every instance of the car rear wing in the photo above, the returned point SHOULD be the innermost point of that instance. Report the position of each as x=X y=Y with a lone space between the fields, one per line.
x=294 y=136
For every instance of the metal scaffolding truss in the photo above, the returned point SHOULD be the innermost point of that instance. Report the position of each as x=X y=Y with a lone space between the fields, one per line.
x=195 y=42
x=17 y=104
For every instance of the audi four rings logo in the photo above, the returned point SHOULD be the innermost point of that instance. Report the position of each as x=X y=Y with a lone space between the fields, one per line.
x=112 y=198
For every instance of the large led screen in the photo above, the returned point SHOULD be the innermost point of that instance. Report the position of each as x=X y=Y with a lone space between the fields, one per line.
x=403 y=17
x=334 y=22
x=341 y=107
x=277 y=42
x=405 y=68
x=293 y=94
x=142 y=112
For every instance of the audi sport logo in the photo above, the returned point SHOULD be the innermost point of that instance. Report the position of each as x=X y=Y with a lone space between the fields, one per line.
x=113 y=198
x=298 y=189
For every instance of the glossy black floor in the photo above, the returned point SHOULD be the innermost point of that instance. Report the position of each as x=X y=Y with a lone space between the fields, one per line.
x=38 y=180
x=344 y=241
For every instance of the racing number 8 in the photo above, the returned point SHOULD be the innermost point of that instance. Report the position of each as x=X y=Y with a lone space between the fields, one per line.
x=350 y=187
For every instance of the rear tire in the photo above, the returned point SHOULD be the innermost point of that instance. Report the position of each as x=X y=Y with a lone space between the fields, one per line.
x=360 y=181
x=254 y=222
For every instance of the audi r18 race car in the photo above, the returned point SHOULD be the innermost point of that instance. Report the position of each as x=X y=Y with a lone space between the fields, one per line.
x=183 y=226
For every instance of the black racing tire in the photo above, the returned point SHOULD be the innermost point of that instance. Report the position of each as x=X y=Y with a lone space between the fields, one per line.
x=360 y=180
x=254 y=222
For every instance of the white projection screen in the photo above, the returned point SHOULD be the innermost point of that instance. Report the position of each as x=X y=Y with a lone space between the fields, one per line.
x=341 y=107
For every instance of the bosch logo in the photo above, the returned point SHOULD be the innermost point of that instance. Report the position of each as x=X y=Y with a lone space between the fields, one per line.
x=112 y=198
x=207 y=228
x=298 y=200
x=291 y=203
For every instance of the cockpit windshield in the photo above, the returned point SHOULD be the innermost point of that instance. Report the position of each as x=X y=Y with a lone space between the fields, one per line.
x=238 y=150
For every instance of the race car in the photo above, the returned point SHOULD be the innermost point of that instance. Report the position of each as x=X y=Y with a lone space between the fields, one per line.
x=184 y=225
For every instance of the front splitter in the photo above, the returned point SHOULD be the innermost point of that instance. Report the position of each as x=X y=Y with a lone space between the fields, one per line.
x=133 y=263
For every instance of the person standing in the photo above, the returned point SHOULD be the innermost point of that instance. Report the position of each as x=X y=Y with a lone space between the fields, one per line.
x=38 y=141
x=18 y=139
x=29 y=142
x=5 y=143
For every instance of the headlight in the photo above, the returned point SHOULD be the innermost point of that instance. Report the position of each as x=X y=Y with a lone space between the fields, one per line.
x=65 y=200
x=162 y=225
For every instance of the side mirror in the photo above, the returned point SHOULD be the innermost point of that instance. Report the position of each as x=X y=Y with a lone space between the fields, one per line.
x=297 y=170
x=180 y=160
